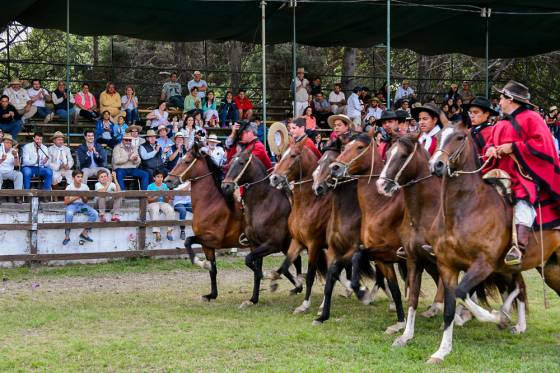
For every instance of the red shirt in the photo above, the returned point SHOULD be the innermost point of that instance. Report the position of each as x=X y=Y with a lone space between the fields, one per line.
x=311 y=146
x=258 y=151
x=243 y=104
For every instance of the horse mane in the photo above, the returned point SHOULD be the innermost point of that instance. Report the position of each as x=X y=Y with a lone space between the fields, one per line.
x=363 y=137
x=333 y=145
x=217 y=178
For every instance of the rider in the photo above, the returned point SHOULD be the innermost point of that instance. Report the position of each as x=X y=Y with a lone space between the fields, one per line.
x=427 y=117
x=522 y=146
x=390 y=127
x=244 y=136
x=297 y=131
x=480 y=111
x=340 y=124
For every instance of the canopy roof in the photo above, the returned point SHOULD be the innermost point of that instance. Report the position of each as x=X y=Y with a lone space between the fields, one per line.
x=517 y=27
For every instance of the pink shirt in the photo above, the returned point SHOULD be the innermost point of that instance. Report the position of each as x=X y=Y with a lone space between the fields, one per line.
x=87 y=102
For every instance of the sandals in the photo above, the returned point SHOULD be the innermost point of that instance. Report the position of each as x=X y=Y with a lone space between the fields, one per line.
x=85 y=238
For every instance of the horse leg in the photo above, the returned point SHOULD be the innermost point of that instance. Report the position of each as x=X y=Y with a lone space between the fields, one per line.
x=414 y=281
x=313 y=257
x=213 y=271
x=347 y=282
x=551 y=273
x=253 y=260
x=193 y=258
x=332 y=275
x=521 y=325
x=362 y=293
x=437 y=305
x=449 y=278
x=393 y=284
x=292 y=257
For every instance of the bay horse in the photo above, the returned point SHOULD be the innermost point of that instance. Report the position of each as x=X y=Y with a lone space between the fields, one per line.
x=380 y=216
x=217 y=220
x=266 y=210
x=474 y=231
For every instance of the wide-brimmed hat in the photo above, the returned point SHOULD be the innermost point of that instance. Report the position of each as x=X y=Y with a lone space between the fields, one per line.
x=388 y=115
x=300 y=70
x=56 y=135
x=403 y=115
x=342 y=117
x=9 y=137
x=483 y=103
x=430 y=108
x=375 y=99
x=15 y=81
x=163 y=127
x=516 y=91
x=552 y=108
x=278 y=138
x=133 y=127
x=178 y=134
x=127 y=135
x=150 y=133
x=213 y=138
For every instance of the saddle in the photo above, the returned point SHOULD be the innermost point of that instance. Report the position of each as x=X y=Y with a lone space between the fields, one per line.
x=501 y=181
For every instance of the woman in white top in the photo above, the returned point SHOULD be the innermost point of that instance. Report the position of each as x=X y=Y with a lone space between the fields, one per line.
x=130 y=105
x=189 y=131
x=159 y=116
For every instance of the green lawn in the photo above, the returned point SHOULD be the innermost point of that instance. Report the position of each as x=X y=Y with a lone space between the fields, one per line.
x=145 y=315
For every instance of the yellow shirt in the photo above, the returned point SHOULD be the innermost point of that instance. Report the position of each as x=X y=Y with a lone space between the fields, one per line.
x=107 y=101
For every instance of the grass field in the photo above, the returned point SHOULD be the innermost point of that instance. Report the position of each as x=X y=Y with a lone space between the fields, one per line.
x=145 y=315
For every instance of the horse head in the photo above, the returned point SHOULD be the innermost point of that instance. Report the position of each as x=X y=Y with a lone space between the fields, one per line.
x=296 y=163
x=240 y=170
x=454 y=150
x=402 y=164
x=186 y=168
x=355 y=157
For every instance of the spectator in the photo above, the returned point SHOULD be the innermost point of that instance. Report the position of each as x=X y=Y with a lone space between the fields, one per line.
x=453 y=93
x=382 y=93
x=134 y=132
x=466 y=93
x=76 y=205
x=317 y=140
x=322 y=109
x=198 y=122
x=160 y=204
x=178 y=151
x=1 y=138
x=91 y=156
x=182 y=204
x=315 y=87
x=495 y=104
x=106 y=184
x=198 y=83
x=159 y=116
x=364 y=96
x=229 y=113
x=216 y=152
x=39 y=97
x=126 y=161
x=35 y=162
x=405 y=106
x=129 y=103
x=119 y=129
x=110 y=100
x=60 y=159
x=404 y=91
x=192 y=101
x=259 y=125
x=151 y=154
x=297 y=132
x=311 y=122
x=20 y=100
x=209 y=110
x=189 y=131
x=60 y=100
x=86 y=103
x=373 y=109
x=164 y=142
x=354 y=108
x=337 y=99
x=244 y=105
x=9 y=117
x=300 y=90
x=104 y=130
x=171 y=92
x=9 y=159
x=550 y=118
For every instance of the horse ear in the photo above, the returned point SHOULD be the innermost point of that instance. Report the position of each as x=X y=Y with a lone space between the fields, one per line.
x=371 y=132
x=413 y=136
x=465 y=120
x=443 y=119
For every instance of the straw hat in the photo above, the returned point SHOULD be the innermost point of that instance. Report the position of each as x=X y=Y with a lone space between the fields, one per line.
x=151 y=133
x=133 y=127
x=57 y=134
x=213 y=138
x=300 y=70
x=278 y=138
x=128 y=136
x=15 y=81
x=8 y=137
x=342 y=117
x=163 y=127
x=178 y=134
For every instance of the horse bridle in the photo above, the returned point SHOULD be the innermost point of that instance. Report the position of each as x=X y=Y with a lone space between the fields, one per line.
x=455 y=155
x=347 y=164
x=192 y=179
x=395 y=181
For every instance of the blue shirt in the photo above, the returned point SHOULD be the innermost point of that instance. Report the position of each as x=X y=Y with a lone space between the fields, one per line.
x=163 y=186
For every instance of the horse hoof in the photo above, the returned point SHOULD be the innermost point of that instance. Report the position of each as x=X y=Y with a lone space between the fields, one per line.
x=434 y=360
x=395 y=328
x=392 y=307
x=347 y=293
x=517 y=329
x=207 y=298
x=430 y=312
x=317 y=322
x=299 y=281
x=367 y=297
x=296 y=290
x=272 y=275
x=400 y=342
x=273 y=287
x=246 y=304
x=320 y=312
x=300 y=309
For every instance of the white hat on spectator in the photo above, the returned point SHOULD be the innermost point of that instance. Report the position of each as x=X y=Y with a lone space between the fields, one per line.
x=15 y=81
x=552 y=108
x=163 y=127
x=150 y=133
x=213 y=138
x=128 y=136
x=197 y=73
x=178 y=134
x=56 y=135
x=300 y=70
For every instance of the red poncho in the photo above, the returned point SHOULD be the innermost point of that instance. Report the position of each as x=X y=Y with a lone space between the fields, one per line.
x=481 y=134
x=533 y=147
x=311 y=146
x=258 y=151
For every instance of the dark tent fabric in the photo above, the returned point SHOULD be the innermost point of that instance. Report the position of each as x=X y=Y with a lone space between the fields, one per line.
x=428 y=27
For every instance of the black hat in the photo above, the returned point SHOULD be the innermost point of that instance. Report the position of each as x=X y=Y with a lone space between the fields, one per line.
x=429 y=107
x=481 y=102
x=402 y=115
x=516 y=91
x=388 y=115
x=244 y=126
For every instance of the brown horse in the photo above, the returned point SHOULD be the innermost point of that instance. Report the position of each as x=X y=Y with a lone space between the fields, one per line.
x=380 y=215
x=266 y=211
x=309 y=216
x=474 y=231
x=217 y=220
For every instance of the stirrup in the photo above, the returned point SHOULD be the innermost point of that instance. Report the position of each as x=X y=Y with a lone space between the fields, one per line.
x=513 y=256
x=243 y=240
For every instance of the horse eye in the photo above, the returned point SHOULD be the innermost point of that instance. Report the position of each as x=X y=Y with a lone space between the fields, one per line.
x=460 y=138
x=360 y=147
x=293 y=155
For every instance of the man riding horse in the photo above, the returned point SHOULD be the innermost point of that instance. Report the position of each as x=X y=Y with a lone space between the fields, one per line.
x=244 y=136
x=297 y=132
x=480 y=112
x=390 y=123
x=521 y=145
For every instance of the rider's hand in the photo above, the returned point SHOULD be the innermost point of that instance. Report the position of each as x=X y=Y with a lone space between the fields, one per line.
x=491 y=152
x=505 y=149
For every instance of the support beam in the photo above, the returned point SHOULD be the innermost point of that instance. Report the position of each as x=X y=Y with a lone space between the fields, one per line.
x=263 y=42
x=68 y=71
x=293 y=5
x=486 y=13
x=388 y=51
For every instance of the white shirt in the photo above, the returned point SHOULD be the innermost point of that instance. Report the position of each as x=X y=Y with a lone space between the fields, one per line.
x=159 y=119
x=426 y=138
x=217 y=154
x=82 y=187
x=111 y=189
x=18 y=98
x=334 y=97
x=30 y=154
x=200 y=83
x=8 y=163
x=60 y=155
x=31 y=92
x=130 y=106
x=401 y=92
x=373 y=112
x=354 y=108
x=301 y=89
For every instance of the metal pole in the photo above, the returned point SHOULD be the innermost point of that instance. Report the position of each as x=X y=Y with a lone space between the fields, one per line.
x=205 y=59
x=487 y=12
x=293 y=4
x=112 y=68
x=68 y=71
x=263 y=42
x=388 y=50
x=8 y=50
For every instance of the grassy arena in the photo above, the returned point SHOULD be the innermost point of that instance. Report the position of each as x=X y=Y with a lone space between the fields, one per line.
x=145 y=315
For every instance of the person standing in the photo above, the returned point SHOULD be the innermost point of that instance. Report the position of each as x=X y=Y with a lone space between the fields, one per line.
x=355 y=108
x=300 y=91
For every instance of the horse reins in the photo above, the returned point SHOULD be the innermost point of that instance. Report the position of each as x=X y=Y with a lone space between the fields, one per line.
x=192 y=179
x=395 y=181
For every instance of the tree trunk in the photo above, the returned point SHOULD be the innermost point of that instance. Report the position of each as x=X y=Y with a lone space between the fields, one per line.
x=95 y=51
x=348 y=69
x=422 y=72
x=235 y=53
